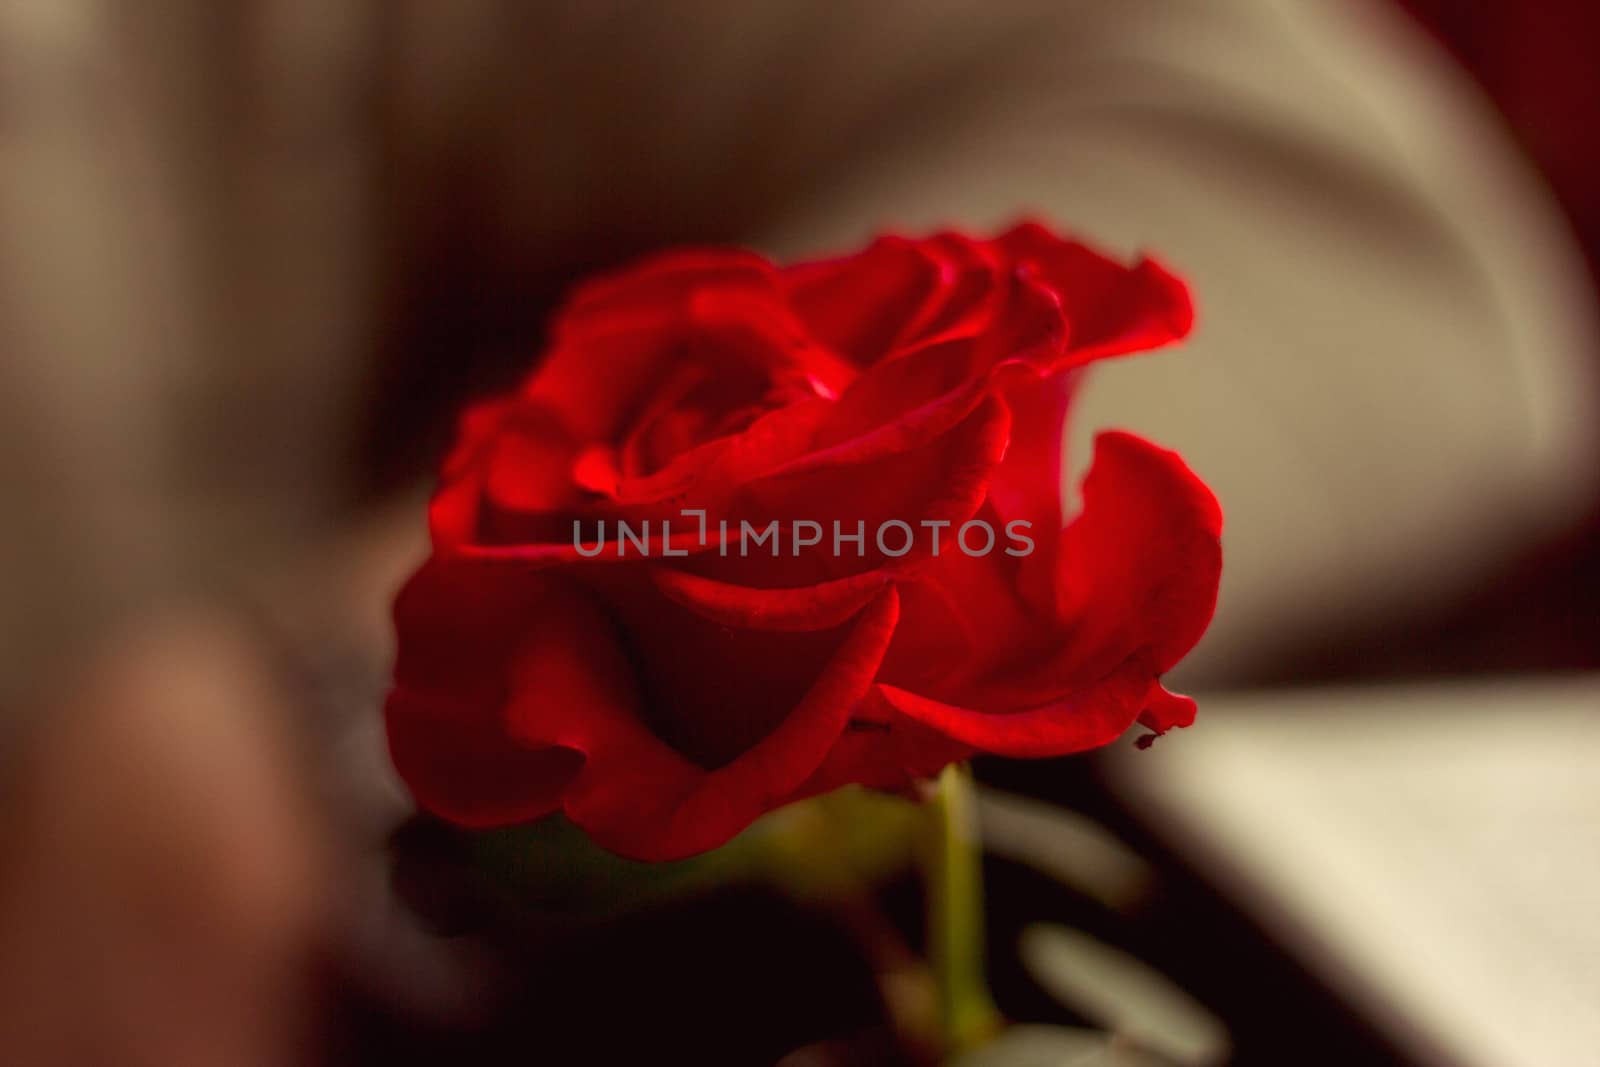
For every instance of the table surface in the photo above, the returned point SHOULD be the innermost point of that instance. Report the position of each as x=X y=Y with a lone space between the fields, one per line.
x=1432 y=851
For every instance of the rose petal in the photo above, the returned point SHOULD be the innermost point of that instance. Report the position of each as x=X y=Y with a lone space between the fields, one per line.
x=812 y=607
x=1026 y=487
x=1110 y=309
x=1086 y=718
x=1141 y=564
x=641 y=799
x=1137 y=576
x=974 y=284
x=884 y=749
x=1165 y=709
x=940 y=480
x=962 y=615
x=452 y=723
x=859 y=304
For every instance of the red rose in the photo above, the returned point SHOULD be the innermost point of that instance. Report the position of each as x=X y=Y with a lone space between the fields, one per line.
x=604 y=628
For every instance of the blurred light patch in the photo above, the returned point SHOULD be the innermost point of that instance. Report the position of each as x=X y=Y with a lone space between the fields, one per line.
x=1429 y=851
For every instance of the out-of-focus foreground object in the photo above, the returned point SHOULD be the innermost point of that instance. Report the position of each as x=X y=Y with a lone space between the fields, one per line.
x=165 y=890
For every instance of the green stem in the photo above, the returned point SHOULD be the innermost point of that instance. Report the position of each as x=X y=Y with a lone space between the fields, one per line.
x=953 y=882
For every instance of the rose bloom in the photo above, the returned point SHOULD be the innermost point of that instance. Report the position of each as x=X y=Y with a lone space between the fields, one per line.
x=665 y=691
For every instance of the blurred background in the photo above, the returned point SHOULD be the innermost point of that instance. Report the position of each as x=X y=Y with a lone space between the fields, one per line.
x=254 y=255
